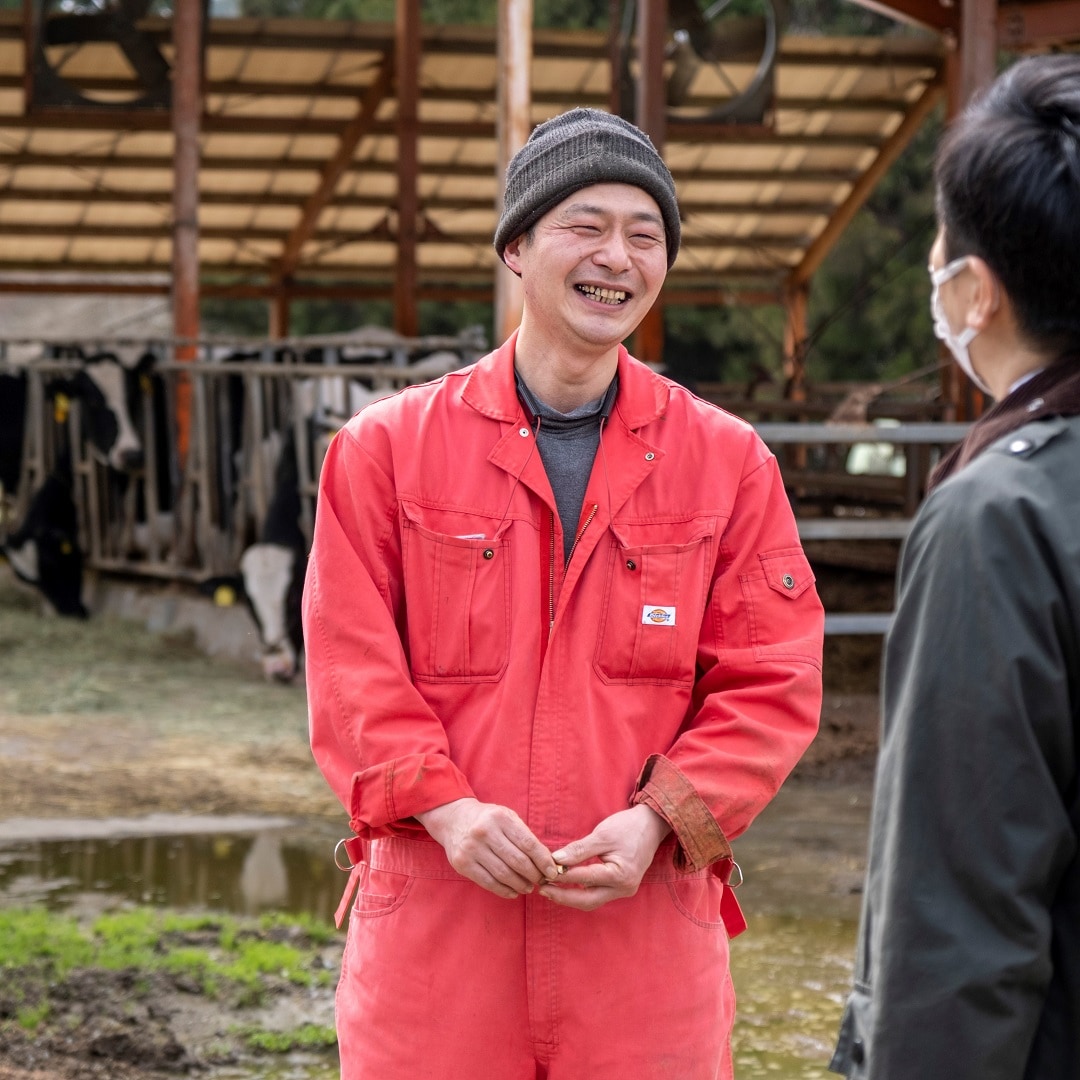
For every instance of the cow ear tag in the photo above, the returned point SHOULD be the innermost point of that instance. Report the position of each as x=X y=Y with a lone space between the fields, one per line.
x=61 y=408
x=224 y=596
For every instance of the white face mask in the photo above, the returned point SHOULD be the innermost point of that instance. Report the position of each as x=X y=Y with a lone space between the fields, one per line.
x=957 y=344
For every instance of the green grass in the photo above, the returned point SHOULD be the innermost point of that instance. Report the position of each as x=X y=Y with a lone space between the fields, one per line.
x=215 y=953
x=307 y=1037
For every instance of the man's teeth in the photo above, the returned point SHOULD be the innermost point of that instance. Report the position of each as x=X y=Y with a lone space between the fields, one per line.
x=606 y=296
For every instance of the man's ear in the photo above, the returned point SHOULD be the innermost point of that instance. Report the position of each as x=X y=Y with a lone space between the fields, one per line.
x=984 y=301
x=512 y=255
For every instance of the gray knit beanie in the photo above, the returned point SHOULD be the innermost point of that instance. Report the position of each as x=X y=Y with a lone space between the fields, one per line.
x=573 y=151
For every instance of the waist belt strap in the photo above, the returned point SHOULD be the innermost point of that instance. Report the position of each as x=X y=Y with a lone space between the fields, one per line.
x=356 y=850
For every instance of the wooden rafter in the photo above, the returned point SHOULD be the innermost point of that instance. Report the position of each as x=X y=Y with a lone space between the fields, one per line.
x=861 y=189
x=337 y=166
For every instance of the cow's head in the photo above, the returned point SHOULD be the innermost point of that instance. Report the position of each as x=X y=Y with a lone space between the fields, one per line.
x=270 y=583
x=273 y=577
x=109 y=392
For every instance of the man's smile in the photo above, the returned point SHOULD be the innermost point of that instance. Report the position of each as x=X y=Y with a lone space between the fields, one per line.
x=605 y=296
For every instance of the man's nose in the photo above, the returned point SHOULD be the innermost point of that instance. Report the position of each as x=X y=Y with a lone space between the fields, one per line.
x=613 y=252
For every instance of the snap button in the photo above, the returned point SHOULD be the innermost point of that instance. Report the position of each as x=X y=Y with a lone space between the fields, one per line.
x=523 y=432
x=649 y=456
x=630 y=564
x=1018 y=446
x=789 y=581
x=488 y=553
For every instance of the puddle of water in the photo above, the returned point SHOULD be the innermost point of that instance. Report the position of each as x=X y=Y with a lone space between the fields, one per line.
x=791 y=977
x=241 y=865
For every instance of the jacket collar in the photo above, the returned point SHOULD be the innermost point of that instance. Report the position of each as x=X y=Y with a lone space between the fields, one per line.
x=643 y=395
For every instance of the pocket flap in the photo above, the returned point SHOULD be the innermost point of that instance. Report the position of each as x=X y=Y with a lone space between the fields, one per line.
x=787 y=572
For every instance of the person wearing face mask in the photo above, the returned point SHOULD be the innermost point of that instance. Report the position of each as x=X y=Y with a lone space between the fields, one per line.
x=968 y=961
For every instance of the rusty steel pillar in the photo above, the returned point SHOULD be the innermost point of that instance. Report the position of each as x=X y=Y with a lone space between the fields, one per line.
x=796 y=332
x=279 y=314
x=970 y=67
x=651 y=114
x=796 y=303
x=186 y=110
x=407 y=80
x=513 y=125
x=978 y=47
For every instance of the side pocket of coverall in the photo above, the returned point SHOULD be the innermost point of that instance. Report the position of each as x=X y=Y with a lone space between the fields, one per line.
x=458 y=590
x=772 y=592
x=651 y=620
x=380 y=892
x=699 y=898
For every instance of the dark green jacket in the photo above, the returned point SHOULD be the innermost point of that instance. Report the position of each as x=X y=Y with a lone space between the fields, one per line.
x=968 y=964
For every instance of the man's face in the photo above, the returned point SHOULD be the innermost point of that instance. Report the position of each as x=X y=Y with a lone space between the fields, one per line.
x=593 y=265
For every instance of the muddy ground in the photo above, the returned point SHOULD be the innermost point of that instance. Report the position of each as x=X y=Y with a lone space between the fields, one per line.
x=108 y=719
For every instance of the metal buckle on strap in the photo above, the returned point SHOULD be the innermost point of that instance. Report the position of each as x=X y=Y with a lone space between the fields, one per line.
x=337 y=856
x=726 y=870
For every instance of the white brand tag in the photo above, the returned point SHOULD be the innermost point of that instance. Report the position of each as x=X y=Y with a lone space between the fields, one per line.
x=655 y=615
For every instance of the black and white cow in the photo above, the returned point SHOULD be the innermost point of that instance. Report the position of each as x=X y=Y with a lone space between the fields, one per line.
x=44 y=550
x=271 y=571
x=107 y=389
x=12 y=426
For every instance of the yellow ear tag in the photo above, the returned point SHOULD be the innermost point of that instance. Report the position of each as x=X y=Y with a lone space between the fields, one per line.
x=61 y=408
x=144 y=383
x=66 y=548
x=224 y=596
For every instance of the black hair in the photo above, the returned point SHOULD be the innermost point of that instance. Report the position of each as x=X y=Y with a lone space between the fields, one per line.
x=1007 y=175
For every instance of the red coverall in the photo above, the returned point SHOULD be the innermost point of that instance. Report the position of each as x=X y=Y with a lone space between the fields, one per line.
x=674 y=660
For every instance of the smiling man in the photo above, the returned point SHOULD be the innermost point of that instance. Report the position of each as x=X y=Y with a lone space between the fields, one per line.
x=563 y=646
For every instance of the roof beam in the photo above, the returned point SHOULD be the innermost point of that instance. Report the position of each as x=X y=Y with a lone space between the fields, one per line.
x=93 y=84
x=338 y=237
x=217 y=124
x=685 y=289
x=931 y=14
x=262 y=200
x=337 y=166
x=1038 y=25
x=147 y=162
x=345 y=37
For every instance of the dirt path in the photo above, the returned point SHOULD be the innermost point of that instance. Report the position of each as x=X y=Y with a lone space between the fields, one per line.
x=105 y=719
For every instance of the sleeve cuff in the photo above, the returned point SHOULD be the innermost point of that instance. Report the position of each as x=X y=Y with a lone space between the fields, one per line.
x=665 y=790
x=386 y=797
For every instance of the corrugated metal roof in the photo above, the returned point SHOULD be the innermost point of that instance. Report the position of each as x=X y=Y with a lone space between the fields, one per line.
x=92 y=191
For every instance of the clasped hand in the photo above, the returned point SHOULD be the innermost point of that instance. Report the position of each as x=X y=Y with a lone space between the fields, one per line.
x=491 y=846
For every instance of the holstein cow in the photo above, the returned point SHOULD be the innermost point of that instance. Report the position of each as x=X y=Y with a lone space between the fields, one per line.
x=44 y=551
x=272 y=569
x=271 y=577
x=12 y=424
x=107 y=390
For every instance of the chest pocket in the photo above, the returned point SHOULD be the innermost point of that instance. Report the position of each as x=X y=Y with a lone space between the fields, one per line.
x=458 y=601
x=654 y=605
